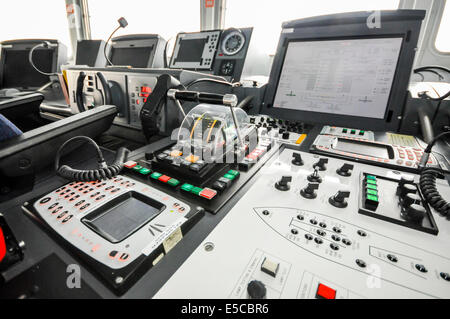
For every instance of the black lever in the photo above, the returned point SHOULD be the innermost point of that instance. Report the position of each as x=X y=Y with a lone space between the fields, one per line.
x=309 y=191
x=283 y=184
x=345 y=170
x=321 y=164
x=297 y=159
x=338 y=200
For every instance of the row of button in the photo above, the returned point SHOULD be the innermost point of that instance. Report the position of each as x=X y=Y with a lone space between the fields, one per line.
x=371 y=195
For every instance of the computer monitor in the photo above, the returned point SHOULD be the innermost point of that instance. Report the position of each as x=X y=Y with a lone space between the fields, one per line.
x=195 y=51
x=337 y=70
x=90 y=53
x=138 y=51
x=16 y=70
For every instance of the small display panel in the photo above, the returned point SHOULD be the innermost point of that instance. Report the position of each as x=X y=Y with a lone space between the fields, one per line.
x=191 y=50
x=18 y=72
x=132 y=56
x=362 y=148
x=350 y=77
x=122 y=216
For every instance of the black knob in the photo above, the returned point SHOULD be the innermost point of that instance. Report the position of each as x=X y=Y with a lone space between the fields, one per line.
x=406 y=179
x=321 y=164
x=402 y=191
x=338 y=200
x=297 y=161
x=315 y=177
x=281 y=131
x=410 y=199
x=283 y=184
x=414 y=213
x=309 y=191
x=285 y=135
x=252 y=120
x=345 y=170
x=149 y=156
x=256 y=290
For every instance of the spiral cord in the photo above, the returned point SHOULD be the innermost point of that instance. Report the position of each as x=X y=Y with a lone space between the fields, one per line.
x=430 y=192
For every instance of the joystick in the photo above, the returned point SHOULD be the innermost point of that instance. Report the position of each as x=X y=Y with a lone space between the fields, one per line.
x=321 y=164
x=345 y=170
x=297 y=161
x=338 y=200
x=283 y=184
x=309 y=191
x=314 y=177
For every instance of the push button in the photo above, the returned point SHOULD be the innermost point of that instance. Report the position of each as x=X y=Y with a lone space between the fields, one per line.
x=325 y=292
x=208 y=193
x=270 y=267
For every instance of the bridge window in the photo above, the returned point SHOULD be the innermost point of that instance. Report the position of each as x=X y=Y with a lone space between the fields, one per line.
x=443 y=36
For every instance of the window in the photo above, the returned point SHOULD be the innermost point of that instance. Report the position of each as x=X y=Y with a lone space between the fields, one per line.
x=442 y=39
x=166 y=18
x=25 y=19
x=266 y=17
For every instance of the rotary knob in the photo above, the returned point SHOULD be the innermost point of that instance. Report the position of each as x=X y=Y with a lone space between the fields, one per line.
x=309 y=191
x=256 y=290
x=339 y=200
x=345 y=170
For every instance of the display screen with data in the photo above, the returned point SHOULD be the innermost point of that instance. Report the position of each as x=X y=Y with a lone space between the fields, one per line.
x=345 y=77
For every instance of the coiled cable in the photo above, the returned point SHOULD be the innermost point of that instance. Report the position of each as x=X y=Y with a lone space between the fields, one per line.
x=429 y=190
x=103 y=172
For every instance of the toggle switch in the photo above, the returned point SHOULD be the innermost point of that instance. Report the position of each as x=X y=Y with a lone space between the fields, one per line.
x=315 y=177
x=345 y=170
x=309 y=191
x=270 y=267
x=283 y=184
x=321 y=164
x=297 y=159
x=338 y=200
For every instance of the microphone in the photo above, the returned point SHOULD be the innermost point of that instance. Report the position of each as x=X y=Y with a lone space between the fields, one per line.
x=122 y=24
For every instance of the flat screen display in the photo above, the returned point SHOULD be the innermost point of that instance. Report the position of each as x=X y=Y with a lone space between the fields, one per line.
x=345 y=77
x=123 y=216
x=131 y=56
x=361 y=148
x=18 y=72
x=191 y=50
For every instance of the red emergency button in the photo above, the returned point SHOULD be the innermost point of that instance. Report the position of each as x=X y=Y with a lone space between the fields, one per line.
x=208 y=193
x=130 y=164
x=164 y=178
x=2 y=245
x=325 y=292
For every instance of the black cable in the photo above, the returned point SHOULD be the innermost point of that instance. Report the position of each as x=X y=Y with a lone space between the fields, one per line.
x=224 y=82
x=435 y=67
x=103 y=172
x=45 y=44
x=431 y=71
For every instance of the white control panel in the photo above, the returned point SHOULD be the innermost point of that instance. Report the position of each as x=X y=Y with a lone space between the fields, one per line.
x=278 y=244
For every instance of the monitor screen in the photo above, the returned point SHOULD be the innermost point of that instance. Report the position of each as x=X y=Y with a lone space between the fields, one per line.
x=18 y=72
x=350 y=77
x=191 y=50
x=137 y=57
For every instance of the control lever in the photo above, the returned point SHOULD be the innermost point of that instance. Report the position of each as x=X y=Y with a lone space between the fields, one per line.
x=309 y=191
x=321 y=164
x=414 y=213
x=315 y=177
x=297 y=161
x=338 y=200
x=345 y=170
x=283 y=184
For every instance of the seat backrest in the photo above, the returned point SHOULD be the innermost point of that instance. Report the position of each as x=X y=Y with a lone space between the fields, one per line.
x=7 y=129
x=27 y=153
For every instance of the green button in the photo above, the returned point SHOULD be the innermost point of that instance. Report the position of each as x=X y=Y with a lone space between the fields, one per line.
x=371 y=177
x=369 y=186
x=156 y=175
x=137 y=168
x=196 y=190
x=372 y=198
x=187 y=187
x=372 y=192
x=229 y=176
x=145 y=171
x=234 y=173
x=369 y=181
x=173 y=182
x=362 y=132
x=353 y=132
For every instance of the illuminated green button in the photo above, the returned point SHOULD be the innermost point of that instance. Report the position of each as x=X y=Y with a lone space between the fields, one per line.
x=137 y=168
x=369 y=186
x=196 y=190
x=187 y=187
x=229 y=176
x=372 y=198
x=234 y=173
x=145 y=171
x=371 y=177
x=372 y=182
x=173 y=182
x=156 y=175
x=372 y=192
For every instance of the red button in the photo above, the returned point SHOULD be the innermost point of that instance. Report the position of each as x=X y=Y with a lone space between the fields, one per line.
x=325 y=292
x=2 y=245
x=130 y=164
x=208 y=193
x=146 y=89
x=164 y=178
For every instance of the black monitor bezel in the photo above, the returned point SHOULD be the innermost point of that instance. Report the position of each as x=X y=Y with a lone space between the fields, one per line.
x=404 y=24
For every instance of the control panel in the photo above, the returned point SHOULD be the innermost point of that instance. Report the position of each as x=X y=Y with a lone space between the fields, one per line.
x=348 y=132
x=281 y=131
x=115 y=225
x=310 y=227
x=140 y=88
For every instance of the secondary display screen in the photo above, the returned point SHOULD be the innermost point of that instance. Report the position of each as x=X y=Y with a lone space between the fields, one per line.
x=361 y=148
x=123 y=216
x=135 y=57
x=191 y=50
x=346 y=77
x=18 y=72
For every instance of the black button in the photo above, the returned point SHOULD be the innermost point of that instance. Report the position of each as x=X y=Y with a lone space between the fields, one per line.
x=45 y=200
x=79 y=203
x=294 y=231
x=266 y=212
x=323 y=225
x=361 y=263
x=362 y=233
x=95 y=194
x=219 y=186
x=124 y=256
x=308 y=237
x=113 y=253
x=392 y=258
x=320 y=232
x=337 y=230
x=318 y=240
x=67 y=219
x=53 y=206
x=334 y=246
x=85 y=206
x=100 y=197
x=62 y=215
x=421 y=268
x=300 y=217
x=336 y=238
x=346 y=241
x=313 y=221
x=57 y=210
x=445 y=276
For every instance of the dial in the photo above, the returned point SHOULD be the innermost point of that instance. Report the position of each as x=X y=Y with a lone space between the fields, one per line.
x=233 y=42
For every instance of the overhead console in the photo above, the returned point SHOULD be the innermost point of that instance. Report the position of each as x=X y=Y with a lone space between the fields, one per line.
x=220 y=52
